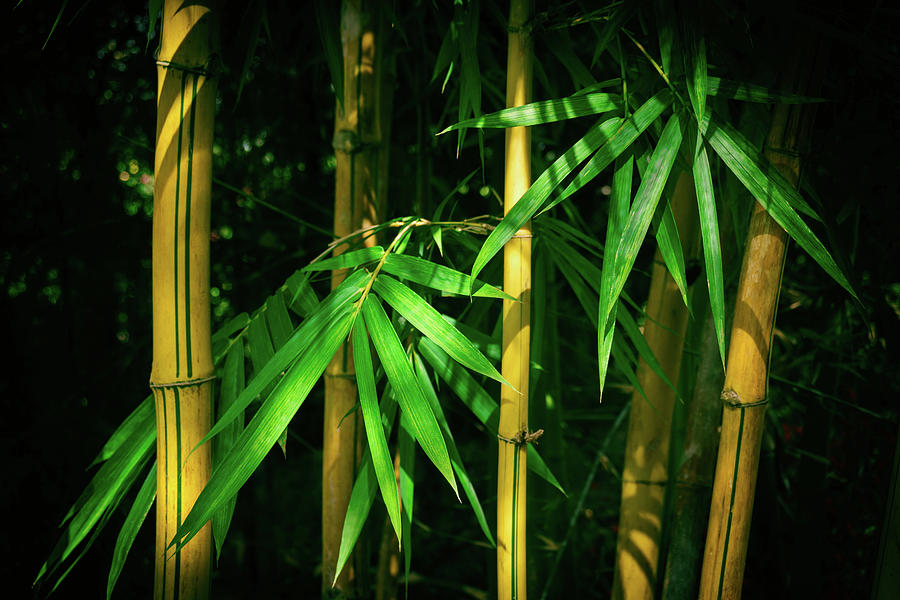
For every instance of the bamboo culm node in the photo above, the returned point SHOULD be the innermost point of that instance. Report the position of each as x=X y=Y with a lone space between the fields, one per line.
x=522 y=437
x=731 y=398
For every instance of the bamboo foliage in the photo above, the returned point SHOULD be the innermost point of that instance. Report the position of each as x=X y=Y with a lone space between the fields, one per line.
x=744 y=395
x=182 y=372
x=513 y=431
x=645 y=477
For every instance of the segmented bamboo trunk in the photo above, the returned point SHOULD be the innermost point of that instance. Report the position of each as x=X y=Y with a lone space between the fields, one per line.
x=181 y=376
x=361 y=159
x=744 y=395
x=645 y=476
x=511 y=582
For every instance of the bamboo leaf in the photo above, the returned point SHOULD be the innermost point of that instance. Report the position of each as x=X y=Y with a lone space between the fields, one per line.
x=303 y=298
x=328 y=18
x=364 y=487
x=438 y=277
x=696 y=72
x=403 y=382
x=643 y=208
x=470 y=73
x=308 y=332
x=347 y=260
x=532 y=200
x=278 y=319
x=429 y=321
x=455 y=458
x=136 y=517
x=406 y=448
x=270 y=420
x=477 y=400
x=618 y=142
x=748 y=92
x=546 y=111
x=772 y=191
x=378 y=448
x=153 y=8
x=712 y=250
x=669 y=243
x=136 y=420
x=259 y=341
x=232 y=384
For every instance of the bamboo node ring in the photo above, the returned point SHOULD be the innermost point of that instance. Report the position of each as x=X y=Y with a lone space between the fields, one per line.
x=205 y=70
x=526 y=236
x=731 y=398
x=178 y=384
x=522 y=437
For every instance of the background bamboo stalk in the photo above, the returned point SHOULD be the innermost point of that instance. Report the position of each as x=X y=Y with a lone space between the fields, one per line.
x=360 y=180
x=182 y=360
x=645 y=474
x=511 y=579
x=746 y=379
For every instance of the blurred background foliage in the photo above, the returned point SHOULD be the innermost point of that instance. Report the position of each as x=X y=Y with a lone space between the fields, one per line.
x=77 y=128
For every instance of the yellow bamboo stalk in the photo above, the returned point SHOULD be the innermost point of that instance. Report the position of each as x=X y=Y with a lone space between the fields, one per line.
x=746 y=379
x=359 y=184
x=513 y=430
x=645 y=475
x=182 y=360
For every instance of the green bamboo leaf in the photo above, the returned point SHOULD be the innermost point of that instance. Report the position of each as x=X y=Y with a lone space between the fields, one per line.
x=362 y=496
x=477 y=400
x=560 y=45
x=669 y=243
x=643 y=208
x=773 y=192
x=328 y=18
x=308 y=332
x=540 y=190
x=570 y=234
x=438 y=277
x=446 y=54
x=406 y=448
x=748 y=92
x=347 y=260
x=695 y=72
x=278 y=319
x=399 y=372
x=458 y=467
x=270 y=420
x=620 y=206
x=235 y=324
x=259 y=341
x=153 y=8
x=303 y=298
x=618 y=142
x=429 y=321
x=712 y=250
x=378 y=448
x=136 y=420
x=470 y=72
x=103 y=494
x=136 y=517
x=232 y=384
x=546 y=111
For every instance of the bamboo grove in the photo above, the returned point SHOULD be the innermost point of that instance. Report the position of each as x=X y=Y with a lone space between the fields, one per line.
x=413 y=324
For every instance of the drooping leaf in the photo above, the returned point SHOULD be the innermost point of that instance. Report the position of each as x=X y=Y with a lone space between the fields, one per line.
x=278 y=320
x=695 y=71
x=669 y=243
x=406 y=449
x=438 y=277
x=232 y=384
x=136 y=517
x=430 y=322
x=303 y=337
x=546 y=111
x=477 y=400
x=403 y=382
x=458 y=467
x=772 y=191
x=748 y=92
x=378 y=448
x=267 y=424
x=136 y=420
x=303 y=298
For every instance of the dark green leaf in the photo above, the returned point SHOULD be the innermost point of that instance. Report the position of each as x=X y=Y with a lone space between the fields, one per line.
x=136 y=517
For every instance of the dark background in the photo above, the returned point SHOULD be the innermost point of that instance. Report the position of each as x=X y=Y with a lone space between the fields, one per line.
x=76 y=135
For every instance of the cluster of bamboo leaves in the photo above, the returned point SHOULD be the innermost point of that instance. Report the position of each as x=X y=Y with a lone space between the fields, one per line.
x=649 y=127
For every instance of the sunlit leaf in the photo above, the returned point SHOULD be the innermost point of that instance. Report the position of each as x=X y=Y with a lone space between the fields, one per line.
x=347 y=260
x=429 y=321
x=270 y=420
x=138 y=418
x=438 y=277
x=381 y=456
x=403 y=382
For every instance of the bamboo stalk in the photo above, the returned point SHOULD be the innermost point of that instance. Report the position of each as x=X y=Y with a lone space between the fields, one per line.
x=645 y=475
x=746 y=379
x=513 y=429
x=360 y=182
x=182 y=360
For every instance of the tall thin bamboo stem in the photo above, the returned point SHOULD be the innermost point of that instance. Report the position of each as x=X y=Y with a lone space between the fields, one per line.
x=182 y=371
x=645 y=476
x=511 y=581
x=361 y=162
x=746 y=378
